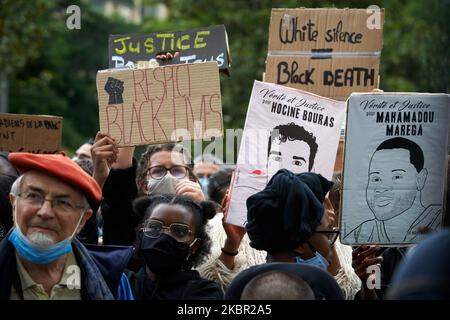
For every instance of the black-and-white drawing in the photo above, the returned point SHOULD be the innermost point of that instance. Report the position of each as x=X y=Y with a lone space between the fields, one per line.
x=291 y=147
x=114 y=87
x=396 y=178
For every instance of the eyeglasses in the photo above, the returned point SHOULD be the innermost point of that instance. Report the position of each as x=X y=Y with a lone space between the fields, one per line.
x=154 y=228
x=60 y=204
x=159 y=172
x=332 y=235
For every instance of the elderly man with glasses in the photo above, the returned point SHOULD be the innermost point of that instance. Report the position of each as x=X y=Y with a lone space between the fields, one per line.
x=41 y=258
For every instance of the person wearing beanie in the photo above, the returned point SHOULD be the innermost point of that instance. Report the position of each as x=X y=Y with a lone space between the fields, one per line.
x=40 y=257
x=288 y=219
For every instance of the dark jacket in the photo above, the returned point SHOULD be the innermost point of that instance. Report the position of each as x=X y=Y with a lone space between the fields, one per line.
x=321 y=282
x=184 y=285
x=101 y=268
x=119 y=222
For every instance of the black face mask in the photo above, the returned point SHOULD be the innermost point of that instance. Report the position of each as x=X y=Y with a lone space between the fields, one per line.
x=6 y=220
x=164 y=255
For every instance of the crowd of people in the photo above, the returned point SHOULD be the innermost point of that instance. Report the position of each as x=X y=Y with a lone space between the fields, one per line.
x=104 y=225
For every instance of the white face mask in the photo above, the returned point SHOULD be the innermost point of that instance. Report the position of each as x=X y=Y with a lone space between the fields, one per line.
x=166 y=185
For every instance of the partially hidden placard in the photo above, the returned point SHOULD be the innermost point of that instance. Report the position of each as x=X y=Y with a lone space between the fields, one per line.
x=30 y=133
x=285 y=128
x=194 y=45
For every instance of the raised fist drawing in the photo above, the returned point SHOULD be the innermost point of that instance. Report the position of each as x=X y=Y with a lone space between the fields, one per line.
x=114 y=87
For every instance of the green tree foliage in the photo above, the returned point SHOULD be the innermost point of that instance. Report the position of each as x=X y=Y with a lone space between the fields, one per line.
x=60 y=65
x=61 y=78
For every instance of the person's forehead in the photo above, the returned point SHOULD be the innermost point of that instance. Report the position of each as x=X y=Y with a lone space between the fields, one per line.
x=169 y=214
x=48 y=183
x=166 y=158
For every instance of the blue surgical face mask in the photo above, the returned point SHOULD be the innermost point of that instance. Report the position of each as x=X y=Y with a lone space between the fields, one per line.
x=39 y=254
x=318 y=261
x=204 y=183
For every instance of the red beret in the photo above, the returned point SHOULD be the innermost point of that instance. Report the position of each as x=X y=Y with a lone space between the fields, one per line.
x=62 y=168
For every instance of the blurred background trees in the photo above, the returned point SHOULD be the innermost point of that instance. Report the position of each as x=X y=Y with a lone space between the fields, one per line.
x=46 y=68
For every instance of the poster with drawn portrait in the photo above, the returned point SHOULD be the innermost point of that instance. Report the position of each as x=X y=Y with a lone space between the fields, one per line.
x=394 y=167
x=285 y=128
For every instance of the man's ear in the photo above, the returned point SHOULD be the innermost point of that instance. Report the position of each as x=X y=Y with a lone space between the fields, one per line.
x=85 y=218
x=421 y=178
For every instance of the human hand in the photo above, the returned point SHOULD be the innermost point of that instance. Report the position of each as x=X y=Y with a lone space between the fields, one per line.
x=362 y=257
x=190 y=189
x=104 y=153
x=235 y=234
x=168 y=56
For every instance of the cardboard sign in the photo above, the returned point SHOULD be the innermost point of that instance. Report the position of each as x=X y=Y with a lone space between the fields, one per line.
x=284 y=128
x=336 y=78
x=162 y=104
x=195 y=45
x=333 y=30
x=395 y=165
x=330 y=52
x=30 y=133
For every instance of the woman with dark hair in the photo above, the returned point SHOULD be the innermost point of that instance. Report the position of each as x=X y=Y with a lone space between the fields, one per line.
x=171 y=240
x=163 y=169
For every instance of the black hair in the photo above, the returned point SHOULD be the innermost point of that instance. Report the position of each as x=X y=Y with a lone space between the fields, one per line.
x=86 y=165
x=7 y=167
x=144 y=162
x=335 y=190
x=219 y=183
x=277 y=285
x=143 y=207
x=415 y=152
x=292 y=132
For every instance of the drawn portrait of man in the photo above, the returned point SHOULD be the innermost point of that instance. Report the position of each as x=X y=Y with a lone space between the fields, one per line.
x=291 y=147
x=396 y=179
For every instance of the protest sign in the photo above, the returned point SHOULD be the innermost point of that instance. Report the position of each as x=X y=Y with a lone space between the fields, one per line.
x=30 y=133
x=195 y=45
x=330 y=52
x=284 y=128
x=162 y=104
x=336 y=78
x=395 y=165
x=336 y=30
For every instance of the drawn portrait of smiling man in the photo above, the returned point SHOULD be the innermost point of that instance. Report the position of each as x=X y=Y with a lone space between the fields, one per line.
x=291 y=147
x=396 y=179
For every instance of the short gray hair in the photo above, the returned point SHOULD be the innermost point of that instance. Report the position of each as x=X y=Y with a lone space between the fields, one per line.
x=15 y=188
x=277 y=285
